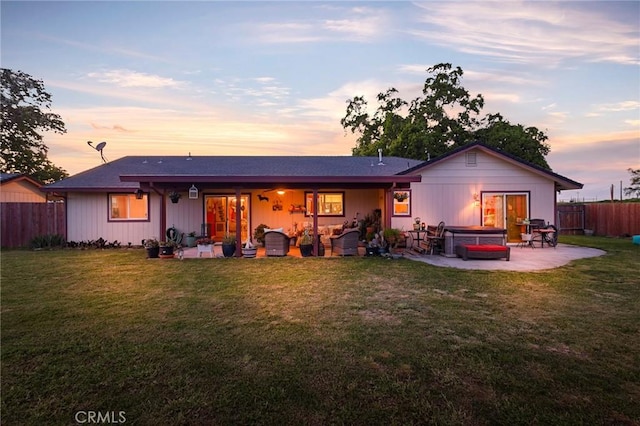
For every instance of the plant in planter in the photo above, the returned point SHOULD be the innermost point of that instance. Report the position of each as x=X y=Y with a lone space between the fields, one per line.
x=152 y=246
x=401 y=196
x=191 y=239
x=249 y=250
x=204 y=241
x=306 y=244
x=205 y=245
x=258 y=233
x=391 y=237
x=174 y=196
x=166 y=249
x=229 y=245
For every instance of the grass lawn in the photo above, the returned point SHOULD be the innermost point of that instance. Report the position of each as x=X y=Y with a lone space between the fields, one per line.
x=318 y=341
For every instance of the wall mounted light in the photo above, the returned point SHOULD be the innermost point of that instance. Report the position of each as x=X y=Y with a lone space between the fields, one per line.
x=139 y=194
x=476 y=199
x=193 y=193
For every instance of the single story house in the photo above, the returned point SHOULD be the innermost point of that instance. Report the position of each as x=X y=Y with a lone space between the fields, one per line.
x=129 y=199
x=19 y=188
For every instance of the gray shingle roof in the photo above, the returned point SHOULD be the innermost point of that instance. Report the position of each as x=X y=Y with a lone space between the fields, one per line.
x=107 y=176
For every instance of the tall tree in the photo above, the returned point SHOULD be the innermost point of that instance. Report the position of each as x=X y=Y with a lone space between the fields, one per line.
x=526 y=143
x=444 y=117
x=26 y=107
x=634 y=188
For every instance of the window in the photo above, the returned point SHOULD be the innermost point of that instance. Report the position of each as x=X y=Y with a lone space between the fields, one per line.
x=329 y=203
x=127 y=207
x=402 y=202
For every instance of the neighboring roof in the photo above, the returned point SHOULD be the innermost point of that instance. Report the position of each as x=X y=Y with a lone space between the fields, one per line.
x=561 y=182
x=10 y=177
x=128 y=172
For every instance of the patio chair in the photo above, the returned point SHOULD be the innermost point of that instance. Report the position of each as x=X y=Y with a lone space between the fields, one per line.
x=435 y=241
x=276 y=243
x=535 y=225
x=345 y=244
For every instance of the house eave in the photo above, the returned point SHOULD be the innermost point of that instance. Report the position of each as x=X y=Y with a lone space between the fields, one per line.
x=294 y=180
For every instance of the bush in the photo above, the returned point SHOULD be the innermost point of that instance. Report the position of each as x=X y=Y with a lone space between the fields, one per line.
x=47 y=241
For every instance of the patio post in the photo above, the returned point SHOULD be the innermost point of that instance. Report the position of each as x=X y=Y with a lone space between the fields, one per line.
x=316 y=239
x=238 y=222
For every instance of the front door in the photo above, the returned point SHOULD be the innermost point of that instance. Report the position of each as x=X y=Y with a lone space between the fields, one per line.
x=505 y=210
x=220 y=215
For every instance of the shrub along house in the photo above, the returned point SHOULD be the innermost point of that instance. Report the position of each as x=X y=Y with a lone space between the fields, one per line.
x=128 y=199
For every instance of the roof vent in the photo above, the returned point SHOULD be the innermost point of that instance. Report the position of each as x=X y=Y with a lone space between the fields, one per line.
x=380 y=163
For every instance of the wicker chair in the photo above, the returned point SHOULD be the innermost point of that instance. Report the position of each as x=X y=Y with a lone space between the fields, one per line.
x=345 y=244
x=276 y=243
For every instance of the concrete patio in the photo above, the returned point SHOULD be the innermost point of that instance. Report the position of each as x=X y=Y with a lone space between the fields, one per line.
x=522 y=258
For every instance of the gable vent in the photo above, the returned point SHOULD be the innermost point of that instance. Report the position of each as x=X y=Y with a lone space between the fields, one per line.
x=471 y=160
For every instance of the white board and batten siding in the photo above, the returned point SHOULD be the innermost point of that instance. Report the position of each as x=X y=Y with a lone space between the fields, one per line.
x=88 y=219
x=446 y=192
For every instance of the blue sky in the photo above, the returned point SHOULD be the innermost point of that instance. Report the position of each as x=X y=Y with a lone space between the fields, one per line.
x=273 y=78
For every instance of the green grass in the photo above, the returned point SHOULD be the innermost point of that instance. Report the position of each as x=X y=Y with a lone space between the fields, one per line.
x=319 y=341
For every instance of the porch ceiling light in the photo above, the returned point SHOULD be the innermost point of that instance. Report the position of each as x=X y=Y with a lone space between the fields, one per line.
x=193 y=192
x=280 y=192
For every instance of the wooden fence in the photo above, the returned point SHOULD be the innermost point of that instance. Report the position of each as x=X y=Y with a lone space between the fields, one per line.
x=20 y=222
x=606 y=219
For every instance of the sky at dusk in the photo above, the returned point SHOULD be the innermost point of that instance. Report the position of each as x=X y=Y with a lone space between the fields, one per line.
x=273 y=78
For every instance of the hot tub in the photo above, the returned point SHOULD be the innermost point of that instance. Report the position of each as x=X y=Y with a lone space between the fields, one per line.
x=477 y=235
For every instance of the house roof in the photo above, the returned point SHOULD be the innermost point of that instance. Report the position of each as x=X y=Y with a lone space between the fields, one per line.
x=258 y=171
x=10 y=177
x=561 y=182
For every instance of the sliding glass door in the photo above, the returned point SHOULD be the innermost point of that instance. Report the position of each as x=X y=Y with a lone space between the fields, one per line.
x=505 y=210
x=220 y=215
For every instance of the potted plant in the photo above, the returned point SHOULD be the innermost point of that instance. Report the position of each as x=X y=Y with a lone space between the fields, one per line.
x=306 y=244
x=229 y=245
x=204 y=245
x=249 y=250
x=258 y=233
x=401 y=196
x=166 y=249
x=191 y=239
x=174 y=196
x=152 y=246
x=391 y=237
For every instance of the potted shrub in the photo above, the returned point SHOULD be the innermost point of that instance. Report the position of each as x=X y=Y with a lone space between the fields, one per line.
x=191 y=239
x=306 y=244
x=166 y=249
x=391 y=237
x=258 y=233
x=152 y=246
x=229 y=245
